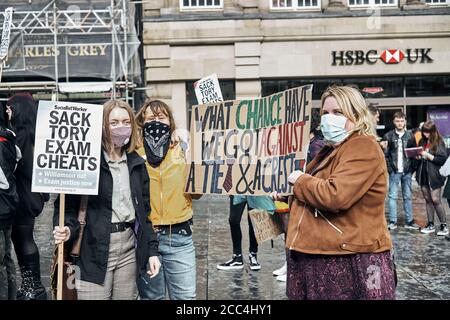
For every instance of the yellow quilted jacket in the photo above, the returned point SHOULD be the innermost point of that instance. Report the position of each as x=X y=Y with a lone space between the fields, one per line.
x=169 y=204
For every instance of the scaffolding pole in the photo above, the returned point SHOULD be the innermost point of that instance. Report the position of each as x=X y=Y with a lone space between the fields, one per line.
x=113 y=52
x=55 y=45
x=125 y=47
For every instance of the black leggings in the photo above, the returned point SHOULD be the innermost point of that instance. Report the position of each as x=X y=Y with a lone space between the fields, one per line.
x=23 y=240
x=433 y=203
x=236 y=212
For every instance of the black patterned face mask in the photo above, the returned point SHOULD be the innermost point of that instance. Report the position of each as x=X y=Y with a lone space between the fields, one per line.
x=156 y=142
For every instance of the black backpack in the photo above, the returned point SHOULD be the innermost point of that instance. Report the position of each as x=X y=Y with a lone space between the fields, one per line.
x=8 y=156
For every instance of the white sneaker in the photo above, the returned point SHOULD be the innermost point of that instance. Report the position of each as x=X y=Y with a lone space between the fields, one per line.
x=282 y=278
x=443 y=230
x=282 y=271
x=254 y=264
x=430 y=228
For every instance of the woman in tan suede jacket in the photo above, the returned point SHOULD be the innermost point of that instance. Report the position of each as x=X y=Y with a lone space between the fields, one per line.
x=340 y=247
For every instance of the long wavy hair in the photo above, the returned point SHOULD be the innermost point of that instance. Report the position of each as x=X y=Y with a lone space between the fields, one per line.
x=353 y=107
x=435 y=137
x=107 y=144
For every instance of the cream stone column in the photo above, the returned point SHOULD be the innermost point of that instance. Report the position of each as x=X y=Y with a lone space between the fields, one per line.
x=153 y=7
x=248 y=89
x=231 y=6
x=247 y=59
x=174 y=94
x=178 y=104
x=170 y=7
x=157 y=72
x=157 y=62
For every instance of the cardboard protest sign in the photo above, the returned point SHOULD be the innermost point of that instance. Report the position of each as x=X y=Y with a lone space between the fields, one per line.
x=265 y=225
x=249 y=147
x=4 y=45
x=67 y=148
x=208 y=90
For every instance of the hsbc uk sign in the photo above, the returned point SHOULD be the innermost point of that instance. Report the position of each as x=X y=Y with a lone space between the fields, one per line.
x=388 y=56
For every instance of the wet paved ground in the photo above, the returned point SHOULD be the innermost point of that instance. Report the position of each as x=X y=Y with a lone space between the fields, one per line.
x=423 y=261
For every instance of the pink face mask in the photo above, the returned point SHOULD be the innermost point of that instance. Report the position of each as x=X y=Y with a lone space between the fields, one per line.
x=120 y=136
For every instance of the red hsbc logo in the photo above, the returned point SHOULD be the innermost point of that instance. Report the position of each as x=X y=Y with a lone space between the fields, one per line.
x=392 y=56
x=388 y=56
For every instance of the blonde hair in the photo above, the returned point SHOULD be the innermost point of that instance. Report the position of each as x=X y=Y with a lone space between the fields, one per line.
x=107 y=144
x=353 y=107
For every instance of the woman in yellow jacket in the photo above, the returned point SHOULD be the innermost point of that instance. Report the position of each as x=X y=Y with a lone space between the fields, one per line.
x=171 y=208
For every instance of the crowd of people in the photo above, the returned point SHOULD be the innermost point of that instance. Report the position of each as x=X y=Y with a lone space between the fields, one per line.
x=137 y=241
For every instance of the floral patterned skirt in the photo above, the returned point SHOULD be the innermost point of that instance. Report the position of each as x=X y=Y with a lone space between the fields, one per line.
x=362 y=276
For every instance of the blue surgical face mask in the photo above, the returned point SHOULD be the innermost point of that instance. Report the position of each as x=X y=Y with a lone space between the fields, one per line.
x=333 y=128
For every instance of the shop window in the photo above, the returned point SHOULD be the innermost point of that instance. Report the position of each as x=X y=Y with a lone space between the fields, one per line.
x=370 y=88
x=415 y=115
x=269 y=87
x=294 y=4
x=372 y=3
x=201 y=4
x=438 y=2
x=377 y=87
x=440 y=114
x=226 y=86
x=428 y=86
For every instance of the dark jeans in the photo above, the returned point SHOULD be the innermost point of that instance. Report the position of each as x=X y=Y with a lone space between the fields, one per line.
x=7 y=268
x=236 y=212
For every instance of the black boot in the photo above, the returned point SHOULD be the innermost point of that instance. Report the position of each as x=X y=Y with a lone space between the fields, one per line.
x=31 y=288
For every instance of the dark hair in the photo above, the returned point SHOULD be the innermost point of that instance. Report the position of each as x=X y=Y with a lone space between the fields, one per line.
x=373 y=108
x=23 y=119
x=399 y=114
x=435 y=137
x=23 y=123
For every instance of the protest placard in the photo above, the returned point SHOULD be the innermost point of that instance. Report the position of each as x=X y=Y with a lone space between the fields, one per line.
x=249 y=147
x=4 y=44
x=207 y=90
x=67 y=148
x=265 y=225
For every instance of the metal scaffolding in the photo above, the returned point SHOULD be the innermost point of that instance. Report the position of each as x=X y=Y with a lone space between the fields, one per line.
x=112 y=21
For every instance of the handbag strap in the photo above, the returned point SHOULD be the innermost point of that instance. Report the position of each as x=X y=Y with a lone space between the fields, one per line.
x=82 y=220
x=83 y=209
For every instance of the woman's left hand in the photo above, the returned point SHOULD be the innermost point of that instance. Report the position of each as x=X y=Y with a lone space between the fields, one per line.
x=294 y=176
x=154 y=266
x=427 y=155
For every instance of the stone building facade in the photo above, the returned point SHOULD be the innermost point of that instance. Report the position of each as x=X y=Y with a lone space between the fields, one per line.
x=396 y=51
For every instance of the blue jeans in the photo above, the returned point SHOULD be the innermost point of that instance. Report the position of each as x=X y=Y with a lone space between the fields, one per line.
x=405 y=180
x=177 y=273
